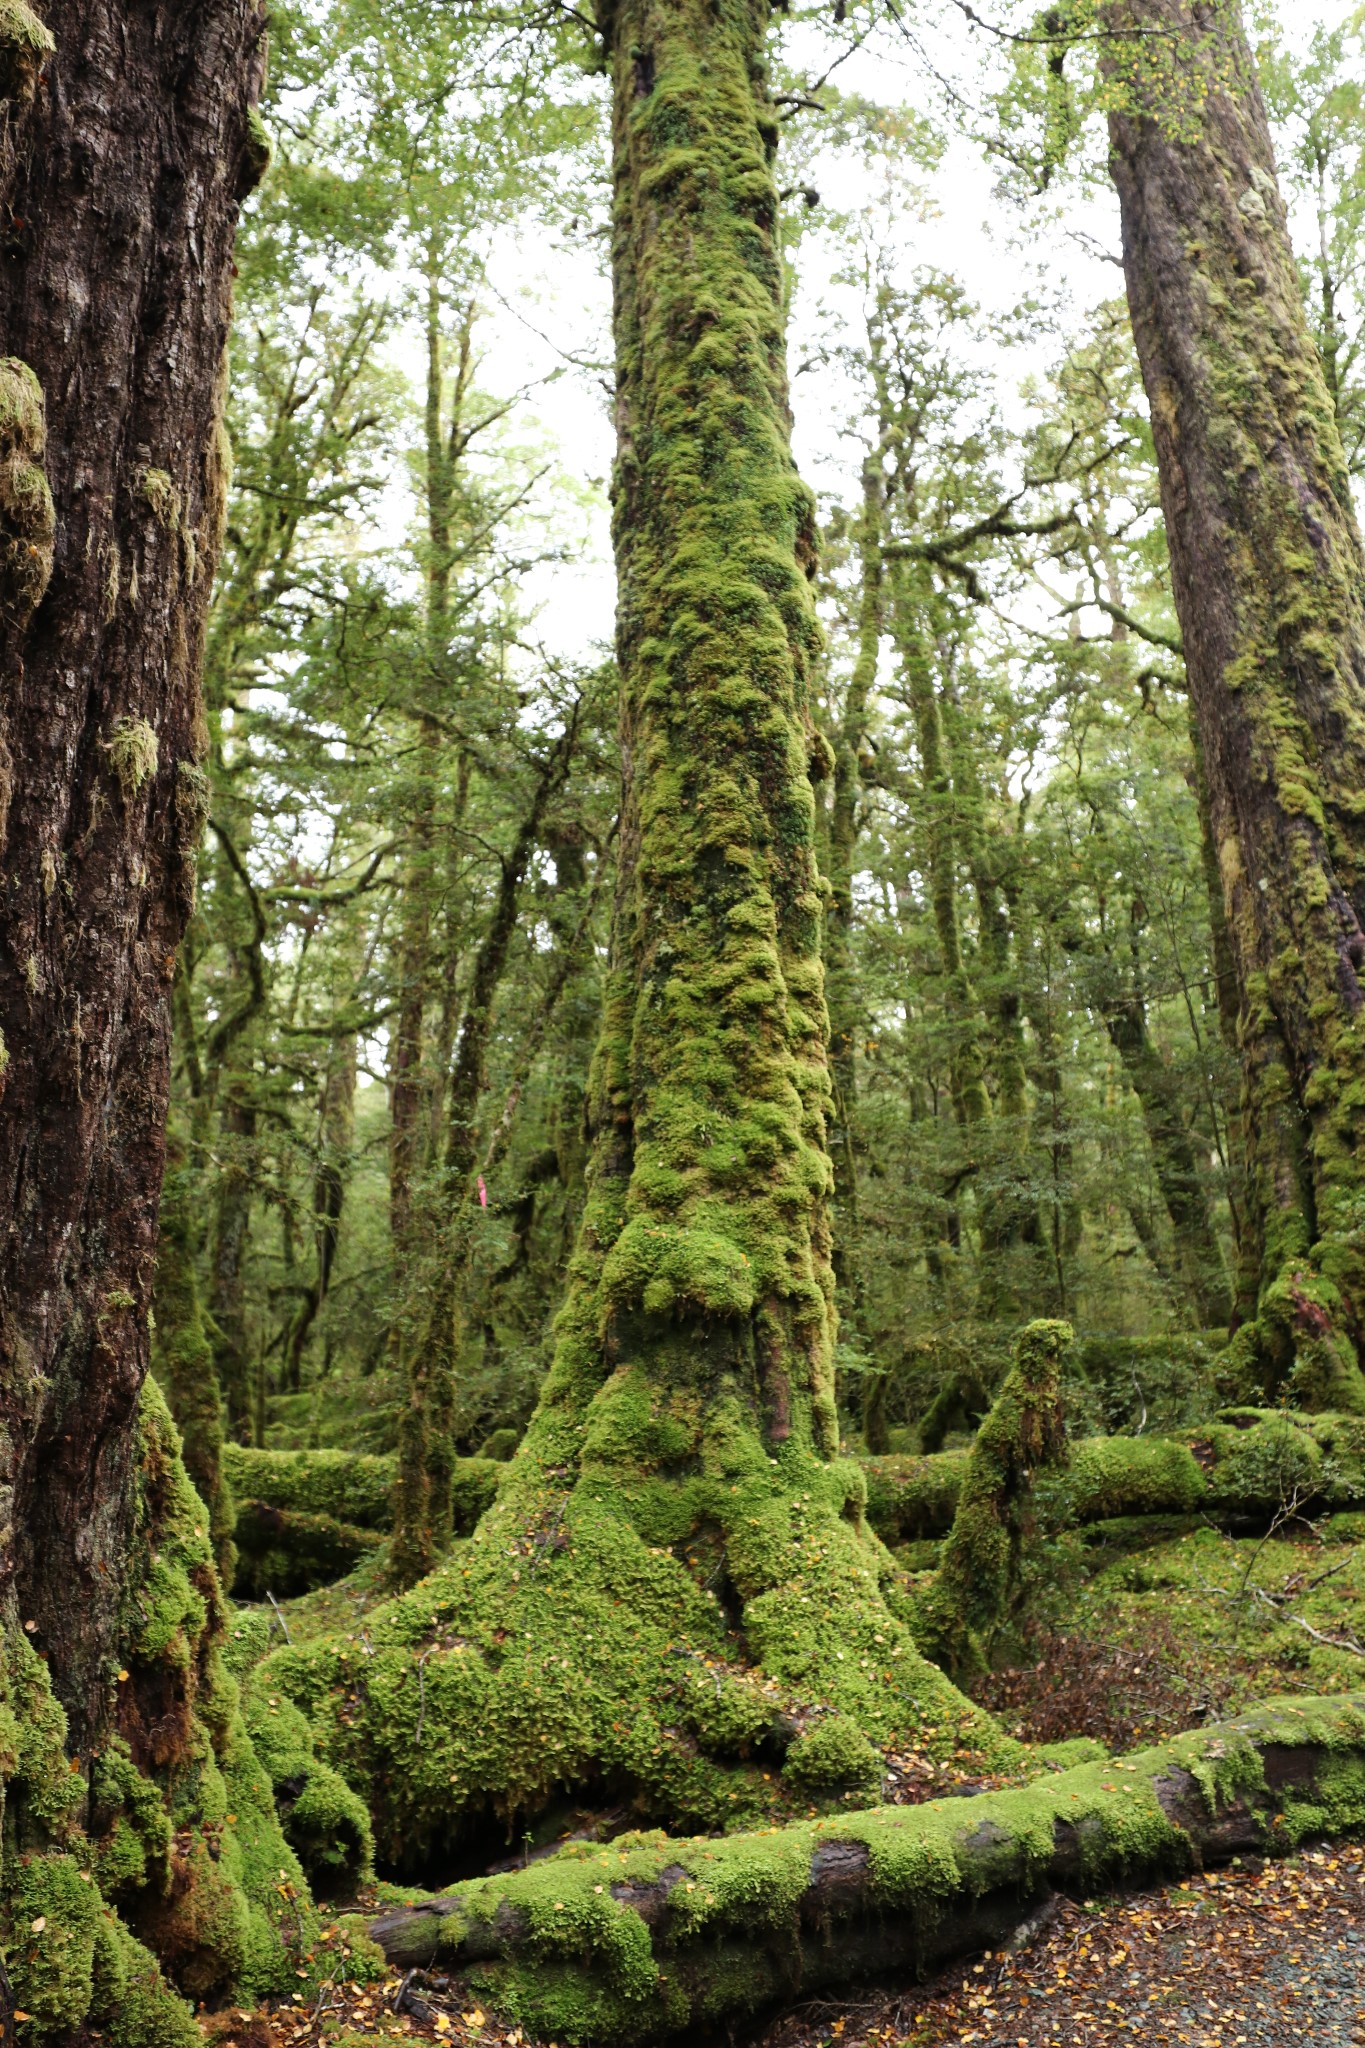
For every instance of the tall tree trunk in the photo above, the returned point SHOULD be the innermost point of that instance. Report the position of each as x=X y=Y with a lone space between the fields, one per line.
x=841 y=974
x=134 y=155
x=1270 y=588
x=1198 y=1254
x=336 y=1136
x=1227 y=1007
x=640 y=1562
x=426 y=1447
x=1011 y=1215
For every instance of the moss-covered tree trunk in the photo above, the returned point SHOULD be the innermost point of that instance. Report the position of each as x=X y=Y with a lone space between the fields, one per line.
x=1270 y=588
x=134 y=153
x=127 y=1777
x=675 y=1600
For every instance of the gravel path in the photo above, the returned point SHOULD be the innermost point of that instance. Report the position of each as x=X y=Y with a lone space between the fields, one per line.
x=1259 y=1956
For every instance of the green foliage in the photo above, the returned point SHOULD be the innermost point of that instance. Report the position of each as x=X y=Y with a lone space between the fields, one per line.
x=27 y=520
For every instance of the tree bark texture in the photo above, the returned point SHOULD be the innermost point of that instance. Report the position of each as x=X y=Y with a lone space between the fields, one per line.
x=1270 y=588
x=129 y=170
x=594 y=1945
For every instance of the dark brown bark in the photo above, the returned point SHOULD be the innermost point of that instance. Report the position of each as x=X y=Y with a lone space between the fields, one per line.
x=1269 y=584
x=130 y=167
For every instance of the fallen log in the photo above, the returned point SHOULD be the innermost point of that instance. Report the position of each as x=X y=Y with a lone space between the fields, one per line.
x=284 y=1552
x=355 y=1491
x=644 y=1938
x=1248 y=1463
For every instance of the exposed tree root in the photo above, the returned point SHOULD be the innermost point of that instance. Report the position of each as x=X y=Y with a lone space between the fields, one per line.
x=642 y=1940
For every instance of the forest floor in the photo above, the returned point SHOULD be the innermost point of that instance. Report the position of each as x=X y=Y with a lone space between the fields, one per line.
x=1140 y=1645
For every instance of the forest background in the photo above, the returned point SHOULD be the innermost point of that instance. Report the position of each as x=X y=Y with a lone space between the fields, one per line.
x=393 y=977
x=763 y=1220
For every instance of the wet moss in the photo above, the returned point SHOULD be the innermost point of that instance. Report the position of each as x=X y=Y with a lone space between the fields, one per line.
x=163 y=1850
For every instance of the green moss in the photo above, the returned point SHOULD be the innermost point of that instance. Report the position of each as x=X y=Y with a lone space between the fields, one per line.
x=159 y=493
x=833 y=1756
x=27 y=517
x=133 y=752
x=21 y=29
x=335 y=1483
x=259 y=150
x=326 y=1824
x=977 y=1588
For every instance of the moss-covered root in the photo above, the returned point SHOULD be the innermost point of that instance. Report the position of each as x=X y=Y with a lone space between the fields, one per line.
x=646 y=1938
x=71 y=1961
x=163 y=1849
x=1242 y=1467
x=977 y=1586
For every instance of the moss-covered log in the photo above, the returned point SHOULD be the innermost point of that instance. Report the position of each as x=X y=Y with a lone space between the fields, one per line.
x=1249 y=1463
x=1269 y=583
x=350 y=1487
x=644 y=1939
x=280 y=1551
